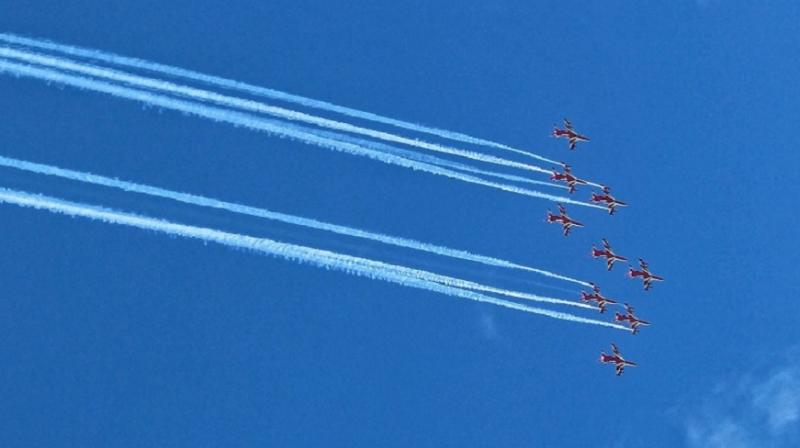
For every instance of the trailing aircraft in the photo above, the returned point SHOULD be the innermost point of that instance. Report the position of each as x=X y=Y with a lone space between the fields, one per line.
x=567 y=177
x=616 y=358
x=609 y=255
x=611 y=202
x=566 y=222
x=647 y=277
x=632 y=320
x=595 y=296
x=569 y=133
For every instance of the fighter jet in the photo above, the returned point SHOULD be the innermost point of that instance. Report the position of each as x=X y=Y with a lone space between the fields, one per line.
x=617 y=359
x=647 y=277
x=595 y=296
x=566 y=222
x=569 y=133
x=633 y=321
x=611 y=202
x=609 y=255
x=567 y=177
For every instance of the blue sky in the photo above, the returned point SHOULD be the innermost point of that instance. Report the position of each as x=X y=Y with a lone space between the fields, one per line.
x=117 y=336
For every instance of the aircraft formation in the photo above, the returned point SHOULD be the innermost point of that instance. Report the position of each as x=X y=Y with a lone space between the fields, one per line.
x=612 y=204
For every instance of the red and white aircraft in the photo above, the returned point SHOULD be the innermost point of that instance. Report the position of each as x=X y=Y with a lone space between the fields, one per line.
x=610 y=256
x=617 y=359
x=567 y=177
x=569 y=133
x=633 y=321
x=647 y=277
x=611 y=202
x=566 y=222
x=595 y=296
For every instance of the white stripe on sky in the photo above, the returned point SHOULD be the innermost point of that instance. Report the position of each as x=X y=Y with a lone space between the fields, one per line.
x=255 y=90
x=320 y=258
x=263 y=124
x=251 y=106
x=202 y=201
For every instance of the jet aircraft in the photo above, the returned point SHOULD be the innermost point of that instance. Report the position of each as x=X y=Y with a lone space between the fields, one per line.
x=647 y=277
x=611 y=202
x=567 y=177
x=595 y=296
x=632 y=320
x=616 y=358
x=569 y=133
x=609 y=255
x=566 y=222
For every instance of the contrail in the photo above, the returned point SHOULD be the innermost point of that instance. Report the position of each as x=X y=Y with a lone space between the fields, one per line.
x=255 y=90
x=302 y=254
x=202 y=201
x=466 y=284
x=253 y=106
x=427 y=158
x=277 y=128
x=192 y=93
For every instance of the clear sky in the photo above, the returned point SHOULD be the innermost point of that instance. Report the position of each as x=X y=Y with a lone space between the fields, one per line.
x=112 y=336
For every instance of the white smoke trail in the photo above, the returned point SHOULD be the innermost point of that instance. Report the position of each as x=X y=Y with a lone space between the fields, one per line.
x=320 y=258
x=255 y=90
x=251 y=106
x=262 y=124
x=193 y=93
x=202 y=201
x=465 y=284
x=427 y=158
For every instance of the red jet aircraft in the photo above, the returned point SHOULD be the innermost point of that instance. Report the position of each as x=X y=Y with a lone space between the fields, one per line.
x=611 y=202
x=569 y=133
x=595 y=296
x=566 y=222
x=633 y=321
x=610 y=256
x=567 y=177
x=617 y=359
x=647 y=277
